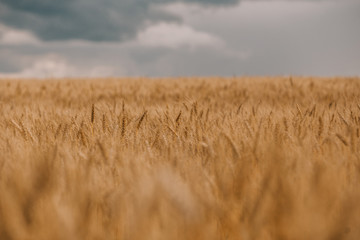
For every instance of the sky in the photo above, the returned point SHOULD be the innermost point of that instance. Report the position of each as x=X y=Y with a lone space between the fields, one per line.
x=162 y=38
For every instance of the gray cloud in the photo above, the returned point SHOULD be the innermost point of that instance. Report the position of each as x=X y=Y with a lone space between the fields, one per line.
x=106 y=20
x=267 y=37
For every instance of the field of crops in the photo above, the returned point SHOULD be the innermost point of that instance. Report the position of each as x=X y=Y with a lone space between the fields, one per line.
x=170 y=159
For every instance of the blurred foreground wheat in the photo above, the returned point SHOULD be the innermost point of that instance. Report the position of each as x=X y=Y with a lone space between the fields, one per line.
x=248 y=158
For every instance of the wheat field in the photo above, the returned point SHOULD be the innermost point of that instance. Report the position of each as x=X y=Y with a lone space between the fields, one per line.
x=186 y=158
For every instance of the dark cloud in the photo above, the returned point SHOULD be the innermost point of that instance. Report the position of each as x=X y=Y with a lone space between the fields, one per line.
x=95 y=20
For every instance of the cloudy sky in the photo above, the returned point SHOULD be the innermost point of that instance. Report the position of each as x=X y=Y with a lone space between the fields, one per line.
x=77 y=38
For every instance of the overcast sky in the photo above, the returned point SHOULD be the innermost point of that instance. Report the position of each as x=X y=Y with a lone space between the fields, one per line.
x=92 y=38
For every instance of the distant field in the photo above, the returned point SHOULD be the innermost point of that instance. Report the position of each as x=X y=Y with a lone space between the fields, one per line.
x=171 y=159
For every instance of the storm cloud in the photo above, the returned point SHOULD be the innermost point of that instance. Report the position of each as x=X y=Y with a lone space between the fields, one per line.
x=106 y=20
x=110 y=38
